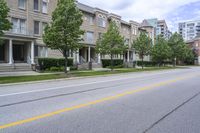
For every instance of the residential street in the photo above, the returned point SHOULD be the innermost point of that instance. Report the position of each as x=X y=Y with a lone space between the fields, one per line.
x=147 y=102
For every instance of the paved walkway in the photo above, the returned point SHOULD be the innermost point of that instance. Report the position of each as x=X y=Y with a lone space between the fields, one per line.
x=23 y=73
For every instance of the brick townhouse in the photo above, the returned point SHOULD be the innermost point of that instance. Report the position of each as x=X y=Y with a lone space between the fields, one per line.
x=23 y=43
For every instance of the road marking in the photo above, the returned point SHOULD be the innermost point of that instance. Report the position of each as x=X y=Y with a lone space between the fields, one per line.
x=67 y=86
x=93 y=102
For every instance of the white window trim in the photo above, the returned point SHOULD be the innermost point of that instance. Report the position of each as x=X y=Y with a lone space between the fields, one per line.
x=34 y=27
x=23 y=8
x=46 y=1
x=36 y=10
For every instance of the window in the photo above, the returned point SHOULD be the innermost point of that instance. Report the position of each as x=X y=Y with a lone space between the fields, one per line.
x=44 y=6
x=126 y=41
x=19 y=26
x=90 y=37
x=100 y=35
x=44 y=24
x=36 y=5
x=22 y=4
x=36 y=27
x=42 y=51
x=89 y=19
x=101 y=21
x=134 y=31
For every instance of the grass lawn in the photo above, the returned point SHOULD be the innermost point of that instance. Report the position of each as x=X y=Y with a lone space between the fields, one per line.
x=5 y=80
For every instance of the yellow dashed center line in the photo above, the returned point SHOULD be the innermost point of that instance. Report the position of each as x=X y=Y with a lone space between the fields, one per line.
x=91 y=103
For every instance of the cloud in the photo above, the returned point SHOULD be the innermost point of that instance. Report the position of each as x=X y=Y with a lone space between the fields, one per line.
x=171 y=10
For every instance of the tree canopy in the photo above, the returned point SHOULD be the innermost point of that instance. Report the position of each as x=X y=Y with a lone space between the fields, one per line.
x=4 y=22
x=64 y=32
x=111 y=43
x=161 y=51
x=142 y=45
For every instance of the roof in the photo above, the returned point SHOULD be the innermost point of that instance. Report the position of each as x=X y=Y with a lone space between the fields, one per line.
x=145 y=23
x=125 y=23
x=85 y=8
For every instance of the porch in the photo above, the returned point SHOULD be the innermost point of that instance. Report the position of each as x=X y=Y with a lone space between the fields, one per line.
x=14 y=51
x=87 y=54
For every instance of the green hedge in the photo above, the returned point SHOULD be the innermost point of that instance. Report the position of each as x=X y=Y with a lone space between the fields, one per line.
x=47 y=63
x=107 y=62
x=151 y=63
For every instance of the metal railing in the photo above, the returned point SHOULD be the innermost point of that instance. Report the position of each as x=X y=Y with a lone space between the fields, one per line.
x=94 y=60
x=82 y=60
x=20 y=31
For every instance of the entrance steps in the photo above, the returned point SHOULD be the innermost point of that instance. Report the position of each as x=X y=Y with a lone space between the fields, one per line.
x=15 y=67
x=96 y=65
x=85 y=66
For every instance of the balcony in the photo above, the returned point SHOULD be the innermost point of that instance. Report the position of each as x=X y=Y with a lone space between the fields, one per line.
x=20 y=32
x=198 y=28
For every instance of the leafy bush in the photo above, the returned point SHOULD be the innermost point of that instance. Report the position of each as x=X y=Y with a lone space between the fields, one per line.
x=107 y=62
x=151 y=63
x=56 y=69
x=47 y=63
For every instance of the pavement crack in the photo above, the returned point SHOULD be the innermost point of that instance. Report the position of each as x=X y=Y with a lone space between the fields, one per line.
x=172 y=111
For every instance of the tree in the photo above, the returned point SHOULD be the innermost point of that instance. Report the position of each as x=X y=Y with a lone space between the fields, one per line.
x=142 y=46
x=160 y=51
x=64 y=32
x=188 y=55
x=176 y=43
x=4 y=22
x=111 y=43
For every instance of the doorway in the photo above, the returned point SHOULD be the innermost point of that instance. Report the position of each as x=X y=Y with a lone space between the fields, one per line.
x=2 y=52
x=18 y=53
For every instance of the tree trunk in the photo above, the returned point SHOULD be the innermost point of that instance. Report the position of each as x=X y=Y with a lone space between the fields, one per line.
x=142 y=61
x=112 y=63
x=66 y=61
x=175 y=62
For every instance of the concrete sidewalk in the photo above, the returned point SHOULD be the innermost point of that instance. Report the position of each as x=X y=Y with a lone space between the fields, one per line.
x=22 y=73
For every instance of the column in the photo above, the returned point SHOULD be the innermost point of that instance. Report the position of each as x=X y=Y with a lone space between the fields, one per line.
x=89 y=56
x=77 y=56
x=99 y=58
x=70 y=53
x=10 y=52
x=128 y=56
x=32 y=52
x=134 y=59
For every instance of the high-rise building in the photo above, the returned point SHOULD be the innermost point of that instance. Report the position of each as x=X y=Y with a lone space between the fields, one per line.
x=160 y=27
x=189 y=30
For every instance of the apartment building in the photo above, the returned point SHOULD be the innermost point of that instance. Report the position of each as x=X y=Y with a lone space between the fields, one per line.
x=96 y=22
x=24 y=44
x=160 y=27
x=189 y=30
x=195 y=46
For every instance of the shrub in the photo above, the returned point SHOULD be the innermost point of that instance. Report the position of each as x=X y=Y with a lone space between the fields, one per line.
x=56 y=69
x=107 y=62
x=47 y=63
x=151 y=63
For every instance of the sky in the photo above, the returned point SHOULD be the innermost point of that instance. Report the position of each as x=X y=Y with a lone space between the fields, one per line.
x=173 y=11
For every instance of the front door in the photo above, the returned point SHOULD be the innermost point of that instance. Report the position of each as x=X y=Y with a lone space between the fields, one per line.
x=2 y=53
x=18 y=53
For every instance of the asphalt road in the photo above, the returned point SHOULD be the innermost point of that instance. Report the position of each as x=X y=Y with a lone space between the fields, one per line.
x=147 y=102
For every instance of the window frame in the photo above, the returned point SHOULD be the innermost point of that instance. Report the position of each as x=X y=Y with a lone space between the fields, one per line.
x=34 y=28
x=24 y=4
x=42 y=7
x=38 y=5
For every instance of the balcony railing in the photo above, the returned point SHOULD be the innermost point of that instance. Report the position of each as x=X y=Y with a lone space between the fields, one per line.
x=20 y=31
